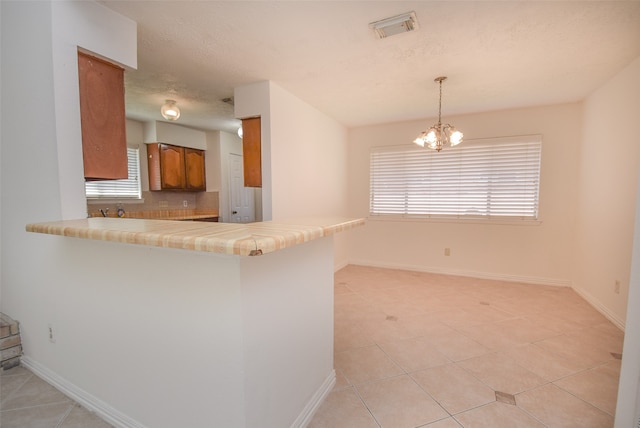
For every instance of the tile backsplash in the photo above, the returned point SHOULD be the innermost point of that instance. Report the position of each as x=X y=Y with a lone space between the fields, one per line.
x=154 y=201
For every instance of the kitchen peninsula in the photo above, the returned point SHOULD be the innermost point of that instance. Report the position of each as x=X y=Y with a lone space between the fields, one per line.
x=185 y=308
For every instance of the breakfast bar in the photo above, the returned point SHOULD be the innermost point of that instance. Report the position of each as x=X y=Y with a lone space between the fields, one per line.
x=193 y=323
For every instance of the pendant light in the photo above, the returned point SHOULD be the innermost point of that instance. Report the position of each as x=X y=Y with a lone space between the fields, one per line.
x=170 y=110
x=439 y=135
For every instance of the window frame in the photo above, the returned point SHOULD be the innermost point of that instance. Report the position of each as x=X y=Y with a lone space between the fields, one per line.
x=390 y=196
x=105 y=190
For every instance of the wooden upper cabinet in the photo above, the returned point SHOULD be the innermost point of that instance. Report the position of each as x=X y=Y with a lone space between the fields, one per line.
x=172 y=164
x=194 y=169
x=102 y=116
x=251 y=152
x=175 y=168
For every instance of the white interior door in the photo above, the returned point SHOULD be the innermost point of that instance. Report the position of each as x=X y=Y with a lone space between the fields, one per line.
x=241 y=203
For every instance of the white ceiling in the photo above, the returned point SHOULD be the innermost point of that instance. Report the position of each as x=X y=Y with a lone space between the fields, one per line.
x=496 y=54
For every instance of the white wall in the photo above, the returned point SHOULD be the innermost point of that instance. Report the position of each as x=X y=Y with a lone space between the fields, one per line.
x=628 y=406
x=171 y=133
x=529 y=252
x=250 y=101
x=101 y=31
x=609 y=161
x=304 y=157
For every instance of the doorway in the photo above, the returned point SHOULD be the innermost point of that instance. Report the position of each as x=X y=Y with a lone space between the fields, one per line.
x=241 y=199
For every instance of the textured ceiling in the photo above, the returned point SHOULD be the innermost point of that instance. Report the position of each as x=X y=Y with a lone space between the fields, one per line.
x=496 y=54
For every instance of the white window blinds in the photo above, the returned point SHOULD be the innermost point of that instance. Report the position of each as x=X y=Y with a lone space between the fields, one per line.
x=485 y=178
x=122 y=189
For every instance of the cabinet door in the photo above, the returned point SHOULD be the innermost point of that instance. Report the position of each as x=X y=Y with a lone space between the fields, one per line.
x=102 y=117
x=172 y=172
x=251 y=152
x=194 y=169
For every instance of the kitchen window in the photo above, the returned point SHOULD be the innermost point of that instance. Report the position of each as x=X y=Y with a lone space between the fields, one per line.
x=495 y=178
x=128 y=188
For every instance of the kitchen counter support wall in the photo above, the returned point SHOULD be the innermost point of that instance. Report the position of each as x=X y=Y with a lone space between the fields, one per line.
x=170 y=337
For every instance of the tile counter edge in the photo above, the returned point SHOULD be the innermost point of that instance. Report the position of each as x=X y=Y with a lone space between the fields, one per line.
x=223 y=238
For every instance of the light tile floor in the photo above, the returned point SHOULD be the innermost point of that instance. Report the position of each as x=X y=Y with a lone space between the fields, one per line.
x=26 y=401
x=426 y=350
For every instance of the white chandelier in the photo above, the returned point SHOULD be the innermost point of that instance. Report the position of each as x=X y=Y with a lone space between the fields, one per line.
x=439 y=135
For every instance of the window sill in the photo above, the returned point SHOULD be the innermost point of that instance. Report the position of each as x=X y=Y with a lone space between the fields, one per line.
x=488 y=221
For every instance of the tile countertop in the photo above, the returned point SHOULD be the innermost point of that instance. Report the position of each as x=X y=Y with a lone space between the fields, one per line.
x=184 y=214
x=224 y=238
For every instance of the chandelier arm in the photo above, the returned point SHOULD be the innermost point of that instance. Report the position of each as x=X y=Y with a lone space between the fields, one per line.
x=440 y=104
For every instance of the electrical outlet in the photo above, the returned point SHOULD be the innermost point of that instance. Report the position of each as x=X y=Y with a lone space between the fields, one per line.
x=447 y=251
x=52 y=337
x=185 y=204
x=616 y=287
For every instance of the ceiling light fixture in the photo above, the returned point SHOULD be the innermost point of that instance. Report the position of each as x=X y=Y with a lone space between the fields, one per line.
x=395 y=25
x=439 y=135
x=170 y=110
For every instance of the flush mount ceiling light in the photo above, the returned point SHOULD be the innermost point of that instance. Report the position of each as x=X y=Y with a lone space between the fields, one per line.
x=439 y=135
x=395 y=25
x=170 y=110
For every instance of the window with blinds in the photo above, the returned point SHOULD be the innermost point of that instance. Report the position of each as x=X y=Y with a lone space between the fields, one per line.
x=121 y=189
x=483 y=178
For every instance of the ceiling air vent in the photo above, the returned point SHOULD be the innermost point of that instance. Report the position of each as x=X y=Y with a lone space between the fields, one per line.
x=395 y=25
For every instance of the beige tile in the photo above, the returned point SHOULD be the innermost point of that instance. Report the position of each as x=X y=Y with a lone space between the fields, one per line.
x=457 y=346
x=473 y=314
x=427 y=325
x=521 y=330
x=598 y=386
x=502 y=373
x=575 y=349
x=496 y=415
x=444 y=423
x=341 y=288
x=79 y=417
x=553 y=322
x=398 y=402
x=600 y=337
x=542 y=362
x=44 y=416
x=388 y=329
x=10 y=384
x=343 y=409
x=581 y=313
x=454 y=388
x=366 y=364
x=559 y=409
x=493 y=336
x=34 y=392
x=413 y=354
x=349 y=335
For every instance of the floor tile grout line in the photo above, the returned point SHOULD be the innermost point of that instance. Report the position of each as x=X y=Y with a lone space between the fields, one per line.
x=37 y=405
x=5 y=399
x=364 y=403
x=69 y=410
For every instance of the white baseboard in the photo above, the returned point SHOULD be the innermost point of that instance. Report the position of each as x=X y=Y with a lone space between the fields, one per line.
x=93 y=404
x=120 y=420
x=318 y=398
x=468 y=273
x=600 y=308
